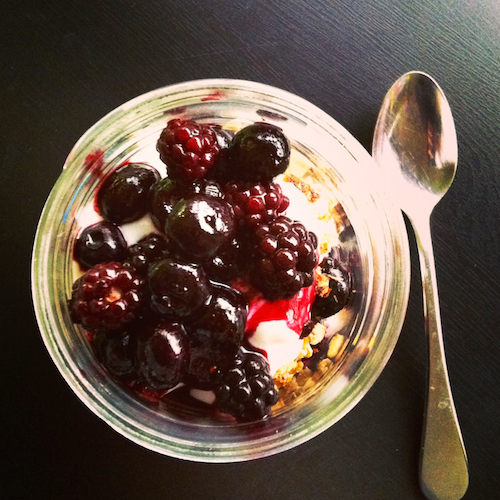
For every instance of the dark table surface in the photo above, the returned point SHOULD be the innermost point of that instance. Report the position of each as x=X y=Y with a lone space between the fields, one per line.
x=66 y=64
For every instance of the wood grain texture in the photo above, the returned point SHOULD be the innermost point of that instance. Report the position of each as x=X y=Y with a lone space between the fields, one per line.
x=66 y=64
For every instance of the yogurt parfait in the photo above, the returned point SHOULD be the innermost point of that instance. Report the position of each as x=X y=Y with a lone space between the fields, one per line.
x=215 y=275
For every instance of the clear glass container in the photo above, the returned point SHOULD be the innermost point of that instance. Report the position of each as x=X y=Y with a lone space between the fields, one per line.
x=379 y=260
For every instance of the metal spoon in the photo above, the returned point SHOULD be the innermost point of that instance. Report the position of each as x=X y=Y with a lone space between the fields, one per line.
x=415 y=144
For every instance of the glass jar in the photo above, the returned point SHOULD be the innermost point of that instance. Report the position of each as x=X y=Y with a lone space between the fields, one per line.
x=379 y=262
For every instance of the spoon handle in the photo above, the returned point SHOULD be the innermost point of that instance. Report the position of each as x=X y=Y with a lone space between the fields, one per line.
x=443 y=462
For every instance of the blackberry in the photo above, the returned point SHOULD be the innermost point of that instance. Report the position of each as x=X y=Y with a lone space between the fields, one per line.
x=162 y=354
x=100 y=242
x=256 y=204
x=258 y=153
x=200 y=225
x=334 y=288
x=107 y=296
x=247 y=390
x=178 y=289
x=189 y=149
x=147 y=250
x=123 y=196
x=284 y=257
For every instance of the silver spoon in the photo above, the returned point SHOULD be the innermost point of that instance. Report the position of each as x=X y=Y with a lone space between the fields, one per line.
x=415 y=144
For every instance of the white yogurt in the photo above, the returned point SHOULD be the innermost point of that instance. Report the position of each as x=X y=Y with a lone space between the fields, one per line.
x=281 y=344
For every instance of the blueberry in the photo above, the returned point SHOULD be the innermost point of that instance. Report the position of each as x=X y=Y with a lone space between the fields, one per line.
x=162 y=354
x=178 y=289
x=223 y=136
x=215 y=336
x=116 y=351
x=123 y=197
x=258 y=153
x=228 y=263
x=339 y=283
x=203 y=371
x=98 y=243
x=164 y=195
x=200 y=225
x=207 y=187
x=223 y=322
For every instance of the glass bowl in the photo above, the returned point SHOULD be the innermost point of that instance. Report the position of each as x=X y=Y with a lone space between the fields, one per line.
x=374 y=238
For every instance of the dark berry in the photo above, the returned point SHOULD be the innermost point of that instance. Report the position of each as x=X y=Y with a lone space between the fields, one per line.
x=200 y=225
x=163 y=196
x=189 y=149
x=247 y=390
x=100 y=242
x=116 y=351
x=307 y=328
x=146 y=251
x=285 y=257
x=334 y=288
x=162 y=354
x=206 y=187
x=214 y=337
x=255 y=204
x=107 y=296
x=178 y=289
x=223 y=323
x=123 y=197
x=319 y=353
x=258 y=153
x=167 y=192
x=224 y=137
x=222 y=167
x=203 y=371
x=228 y=263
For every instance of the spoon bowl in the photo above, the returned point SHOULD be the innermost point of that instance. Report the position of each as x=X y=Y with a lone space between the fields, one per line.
x=415 y=141
x=415 y=145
